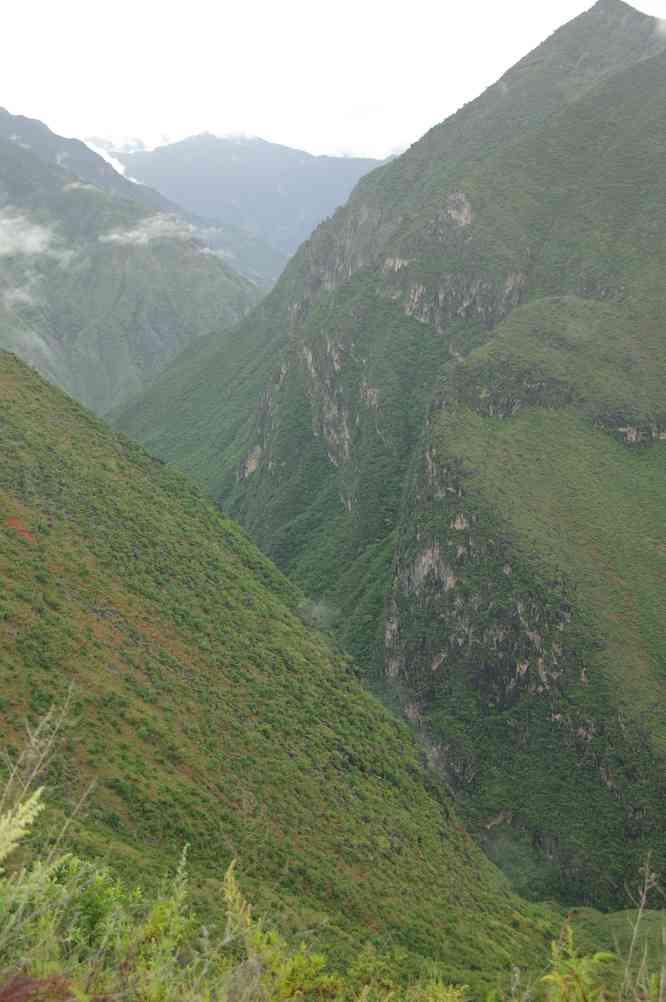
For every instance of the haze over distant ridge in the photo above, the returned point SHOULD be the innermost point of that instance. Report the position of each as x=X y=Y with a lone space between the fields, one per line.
x=375 y=86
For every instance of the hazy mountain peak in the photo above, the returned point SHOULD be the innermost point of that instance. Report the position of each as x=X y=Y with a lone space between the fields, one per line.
x=92 y=164
x=128 y=144
x=629 y=15
x=615 y=7
x=278 y=193
x=236 y=137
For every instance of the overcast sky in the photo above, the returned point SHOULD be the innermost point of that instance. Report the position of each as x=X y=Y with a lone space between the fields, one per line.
x=350 y=76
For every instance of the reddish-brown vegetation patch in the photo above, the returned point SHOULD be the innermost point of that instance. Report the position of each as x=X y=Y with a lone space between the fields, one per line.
x=21 y=988
x=14 y=523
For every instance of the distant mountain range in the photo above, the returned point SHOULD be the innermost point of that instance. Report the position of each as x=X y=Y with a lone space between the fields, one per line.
x=99 y=290
x=104 y=279
x=245 y=253
x=277 y=193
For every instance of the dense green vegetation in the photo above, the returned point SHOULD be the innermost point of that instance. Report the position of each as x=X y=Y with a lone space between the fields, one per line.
x=97 y=292
x=208 y=714
x=71 y=929
x=541 y=486
x=549 y=642
x=447 y=423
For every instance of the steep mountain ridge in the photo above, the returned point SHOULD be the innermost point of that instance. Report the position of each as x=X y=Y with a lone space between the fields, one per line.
x=76 y=158
x=485 y=312
x=394 y=202
x=370 y=234
x=208 y=714
x=96 y=291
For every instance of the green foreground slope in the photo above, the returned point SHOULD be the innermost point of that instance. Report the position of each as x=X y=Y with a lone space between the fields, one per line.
x=208 y=714
x=482 y=320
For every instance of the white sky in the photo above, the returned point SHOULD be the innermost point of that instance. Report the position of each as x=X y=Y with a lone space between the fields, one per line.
x=351 y=76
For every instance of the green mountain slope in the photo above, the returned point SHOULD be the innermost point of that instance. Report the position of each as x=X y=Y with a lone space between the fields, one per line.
x=246 y=253
x=277 y=193
x=208 y=714
x=97 y=292
x=364 y=238
x=76 y=158
x=438 y=424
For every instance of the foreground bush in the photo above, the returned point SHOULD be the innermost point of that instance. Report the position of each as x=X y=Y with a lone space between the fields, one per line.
x=70 y=931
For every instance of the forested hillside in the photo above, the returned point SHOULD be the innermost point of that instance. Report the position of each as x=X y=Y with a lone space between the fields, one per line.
x=207 y=713
x=447 y=424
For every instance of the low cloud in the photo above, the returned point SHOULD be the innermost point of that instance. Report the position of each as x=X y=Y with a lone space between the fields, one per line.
x=20 y=287
x=21 y=237
x=79 y=186
x=34 y=349
x=17 y=139
x=20 y=295
x=159 y=227
x=223 y=255
x=660 y=25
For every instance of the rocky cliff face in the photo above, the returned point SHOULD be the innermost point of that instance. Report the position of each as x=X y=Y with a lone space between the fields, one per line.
x=497 y=658
x=451 y=431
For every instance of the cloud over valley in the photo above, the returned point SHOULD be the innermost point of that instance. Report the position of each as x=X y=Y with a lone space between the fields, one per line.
x=158 y=227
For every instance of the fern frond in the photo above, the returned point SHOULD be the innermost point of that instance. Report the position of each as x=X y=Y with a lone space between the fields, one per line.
x=16 y=823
